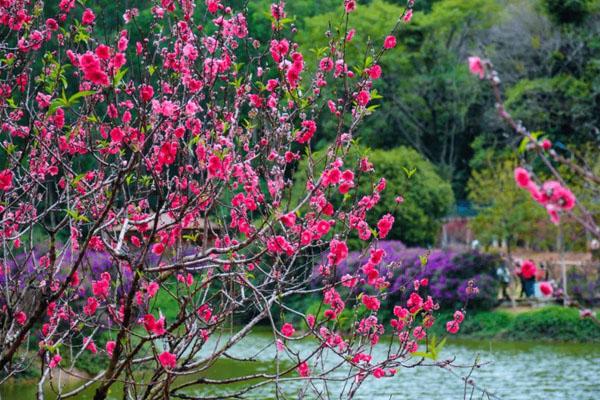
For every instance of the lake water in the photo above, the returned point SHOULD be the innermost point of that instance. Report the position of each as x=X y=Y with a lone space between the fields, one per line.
x=515 y=371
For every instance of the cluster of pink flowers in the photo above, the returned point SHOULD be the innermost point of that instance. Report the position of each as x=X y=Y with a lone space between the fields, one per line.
x=389 y=42
x=385 y=225
x=55 y=361
x=90 y=345
x=476 y=67
x=410 y=325
x=92 y=69
x=287 y=330
x=552 y=194
x=6 y=180
x=454 y=325
x=309 y=128
x=153 y=325
x=167 y=360
x=338 y=251
x=303 y=369
x=372 y=303
x=88 y=17
x=101 y=288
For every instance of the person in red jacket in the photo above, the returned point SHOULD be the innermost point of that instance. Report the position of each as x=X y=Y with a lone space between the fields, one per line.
x=528 y=272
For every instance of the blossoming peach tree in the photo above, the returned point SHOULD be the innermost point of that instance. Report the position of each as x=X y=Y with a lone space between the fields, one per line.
x=168 y=148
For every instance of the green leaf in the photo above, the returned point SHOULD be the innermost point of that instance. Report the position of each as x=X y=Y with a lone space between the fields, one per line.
x=78 y=95
x=8 y=61
x=261 y=86
x=523 y=145
x=194 y=140
x=236 y=83
x=81 y=34
x=248 y=124
x=319 y=52
x=56 y=103
x=191 y=238
x=76 y=216
x=375 y=95
x=409 y=172
x=237 y=66
x=536 y=135
x=119 y=76
x=145 y=180
x=10 y=149
x=435 y=348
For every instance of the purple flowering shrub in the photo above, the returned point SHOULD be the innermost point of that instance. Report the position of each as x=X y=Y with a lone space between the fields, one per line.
x=448 y=274
x=27 y=267
x=584 y=286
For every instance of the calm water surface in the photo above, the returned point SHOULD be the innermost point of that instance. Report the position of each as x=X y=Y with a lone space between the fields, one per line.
x=514 y=371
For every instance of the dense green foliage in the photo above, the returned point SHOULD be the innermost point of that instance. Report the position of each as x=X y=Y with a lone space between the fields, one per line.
x=427 y=197
x=567 y=11
x=505 y=210
x=560 y=106
x=554 y=322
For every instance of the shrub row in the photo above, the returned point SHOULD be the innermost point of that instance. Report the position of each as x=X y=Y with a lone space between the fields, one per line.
x=551 y=323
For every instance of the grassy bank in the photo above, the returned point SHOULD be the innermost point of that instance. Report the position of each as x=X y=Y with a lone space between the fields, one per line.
x=552 y=323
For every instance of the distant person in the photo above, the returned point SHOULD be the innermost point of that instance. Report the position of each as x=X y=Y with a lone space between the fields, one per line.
x=503 y=275
x=528 y=272
x=519 y=274
x=543 y=273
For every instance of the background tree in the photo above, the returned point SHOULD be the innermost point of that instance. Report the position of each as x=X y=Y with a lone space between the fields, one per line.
x=418 y=197
x=505 y=212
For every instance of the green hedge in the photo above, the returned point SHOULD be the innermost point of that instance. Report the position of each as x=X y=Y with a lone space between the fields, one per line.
x=552 y=323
